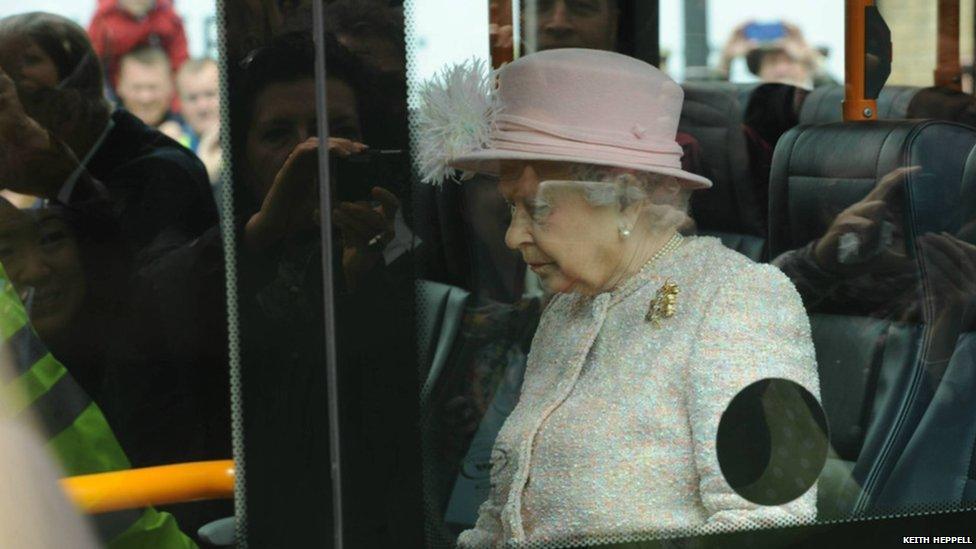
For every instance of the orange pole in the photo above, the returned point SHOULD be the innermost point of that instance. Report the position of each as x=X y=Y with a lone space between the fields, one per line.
x=500 y=14
x=856 y=106
x=948 y=71
x=136 y=488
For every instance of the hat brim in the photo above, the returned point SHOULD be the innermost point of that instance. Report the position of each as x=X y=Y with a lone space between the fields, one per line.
x=489 y=161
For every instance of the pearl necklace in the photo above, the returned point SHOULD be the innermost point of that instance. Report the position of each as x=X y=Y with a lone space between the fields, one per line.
x=671 y=245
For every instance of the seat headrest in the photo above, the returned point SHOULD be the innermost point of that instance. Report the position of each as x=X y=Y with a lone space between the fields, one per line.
x=818 y=171
x=823 y=105
x=943 y=104
x=712 y=113
x=967 y=206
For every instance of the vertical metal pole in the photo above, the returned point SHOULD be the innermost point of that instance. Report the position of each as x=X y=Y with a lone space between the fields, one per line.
x=856 y=106
x=948 y=71
x=328 y=302
x=228 y=238
x=696 y=33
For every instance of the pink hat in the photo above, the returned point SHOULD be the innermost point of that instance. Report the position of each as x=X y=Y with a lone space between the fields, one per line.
x=584 y=106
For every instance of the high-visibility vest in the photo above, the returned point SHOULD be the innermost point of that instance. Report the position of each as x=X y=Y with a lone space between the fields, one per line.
x=79 y=437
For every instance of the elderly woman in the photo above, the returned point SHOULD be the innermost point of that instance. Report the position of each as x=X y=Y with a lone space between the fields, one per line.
x=649 y=335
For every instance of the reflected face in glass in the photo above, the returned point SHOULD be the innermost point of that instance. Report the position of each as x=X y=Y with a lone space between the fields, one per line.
x=576 y=24
x=572 y=245
x=29 y=65
x=200 y=98
x=42 y=259
x=284 y=116
x=37 y=70
x=146 y=90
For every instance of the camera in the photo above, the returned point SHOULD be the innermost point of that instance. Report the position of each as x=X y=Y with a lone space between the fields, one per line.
x=353 y=177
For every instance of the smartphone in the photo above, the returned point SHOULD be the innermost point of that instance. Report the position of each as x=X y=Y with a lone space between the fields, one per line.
x=353 y=177
x=765 y=32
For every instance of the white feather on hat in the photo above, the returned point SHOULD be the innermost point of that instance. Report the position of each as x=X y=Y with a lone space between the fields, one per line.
x=456 y=117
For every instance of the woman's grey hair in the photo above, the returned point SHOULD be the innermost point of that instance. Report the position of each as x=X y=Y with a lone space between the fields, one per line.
x=608 y=186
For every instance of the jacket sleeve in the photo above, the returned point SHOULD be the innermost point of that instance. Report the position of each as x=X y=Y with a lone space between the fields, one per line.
x=754 y=328
x=814 y=284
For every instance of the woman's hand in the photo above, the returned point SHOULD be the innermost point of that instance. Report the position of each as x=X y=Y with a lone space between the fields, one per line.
x=795 y=45
x=736 y=46
x=365 y=231
x=21 y=137
x=291 y=203
x=857 y=242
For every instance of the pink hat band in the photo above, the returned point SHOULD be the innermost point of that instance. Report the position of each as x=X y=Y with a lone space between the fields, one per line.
x=515 y=133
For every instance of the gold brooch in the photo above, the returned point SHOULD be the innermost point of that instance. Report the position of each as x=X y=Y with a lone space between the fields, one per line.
x=664 y=304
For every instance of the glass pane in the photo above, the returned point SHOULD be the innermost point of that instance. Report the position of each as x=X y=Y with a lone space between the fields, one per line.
x=746 y=42
x=541 y=416
x=572 y=272
x=112 y=247
x=325 y=278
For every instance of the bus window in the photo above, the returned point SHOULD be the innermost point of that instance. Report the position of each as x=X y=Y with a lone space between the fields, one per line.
x=111 y=242
x=532 y=393
x=749 y=42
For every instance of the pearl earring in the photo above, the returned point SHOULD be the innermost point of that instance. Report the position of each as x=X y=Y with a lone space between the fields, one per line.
x=624 y=232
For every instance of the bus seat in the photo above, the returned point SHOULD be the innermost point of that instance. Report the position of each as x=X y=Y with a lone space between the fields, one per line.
x=712 y=114
x=439 y=311
x=823 y=105
x=831 y=166
x=873 y=387
x=219 y=533
x=854 y=355
x=936 y=467
x=940 y=458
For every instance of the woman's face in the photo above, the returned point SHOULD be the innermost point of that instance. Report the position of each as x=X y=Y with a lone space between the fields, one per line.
x=284 y=116
x=37 y=71
x=27 y=63
x=574 y=246
x=40 y=255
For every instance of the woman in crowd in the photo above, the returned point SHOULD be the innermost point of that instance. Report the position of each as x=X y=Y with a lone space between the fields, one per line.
x=649 y=334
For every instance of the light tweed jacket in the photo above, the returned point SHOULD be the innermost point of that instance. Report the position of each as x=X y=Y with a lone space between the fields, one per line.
x=614 y=432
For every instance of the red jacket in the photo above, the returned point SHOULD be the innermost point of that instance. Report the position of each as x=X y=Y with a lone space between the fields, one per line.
x=115 y=32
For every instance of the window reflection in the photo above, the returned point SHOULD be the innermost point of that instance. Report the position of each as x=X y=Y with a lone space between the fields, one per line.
x=110 y=240
x=616 y=259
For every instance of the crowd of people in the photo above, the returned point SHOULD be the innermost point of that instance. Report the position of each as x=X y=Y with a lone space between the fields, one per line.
x=603 y=340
